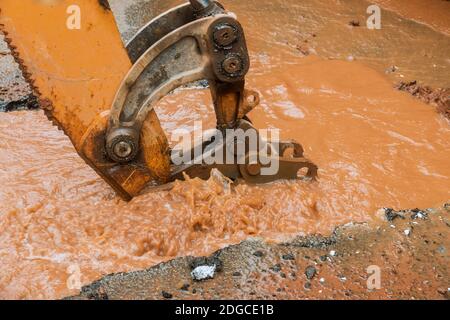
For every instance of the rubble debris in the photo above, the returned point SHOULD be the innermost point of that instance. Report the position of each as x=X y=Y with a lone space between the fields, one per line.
x=25 y=103
x=391 y=69
x=276 y=268
x=288 y=256
x=391 y=214
x=258 y=254
x=444 y=292
x=303 y=49
x=166 y=295
x=310 y=272
x=314 y=241
x=185 y=287
x=440 y=97
x=418 y=214
x=354 y=23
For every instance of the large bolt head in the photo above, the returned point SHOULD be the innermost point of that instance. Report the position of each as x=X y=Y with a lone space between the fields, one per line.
x=225 y=35
x=123 y=149
x=254 y=169
x=232 y=65
x=122 y=146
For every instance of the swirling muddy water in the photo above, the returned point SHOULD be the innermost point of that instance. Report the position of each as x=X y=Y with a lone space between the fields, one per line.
x=375 y=148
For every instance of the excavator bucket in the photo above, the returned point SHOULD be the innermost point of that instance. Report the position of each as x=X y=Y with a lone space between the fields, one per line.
x=102 y=93
x=72 y=54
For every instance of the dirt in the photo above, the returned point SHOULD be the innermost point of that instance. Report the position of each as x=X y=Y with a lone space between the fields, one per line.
x=325 y=82
x=440 y=98
x=410 y=252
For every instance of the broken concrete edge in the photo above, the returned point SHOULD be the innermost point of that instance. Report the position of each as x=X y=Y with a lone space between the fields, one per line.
x=98 y=289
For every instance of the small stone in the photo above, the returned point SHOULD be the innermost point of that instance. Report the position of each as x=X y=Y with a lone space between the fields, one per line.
x=307 y=285
x=203 y=273
x=323 y=258
x=343 y=278
x=444 y=292
x=166 y=295
x=322 y=280
x=288 y=256
x=276 y=268
x=407 y=232
x=418 y=214
x=283 y=275
x=441 y=249
x=237 y=274
x=213 y=261
x=391 y=214
x=310 y=272
x=185 y=287
x=332 y=253
x=258 y=254
x=391 y=69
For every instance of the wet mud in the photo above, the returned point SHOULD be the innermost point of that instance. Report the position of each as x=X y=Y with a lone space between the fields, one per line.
x=275 y=28
x=324 y=83
x=433 y=13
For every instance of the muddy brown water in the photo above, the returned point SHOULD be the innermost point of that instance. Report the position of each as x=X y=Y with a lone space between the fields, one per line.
x=376 y=147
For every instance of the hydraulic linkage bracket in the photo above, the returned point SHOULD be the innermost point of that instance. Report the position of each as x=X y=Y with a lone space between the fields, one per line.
x=195 y=41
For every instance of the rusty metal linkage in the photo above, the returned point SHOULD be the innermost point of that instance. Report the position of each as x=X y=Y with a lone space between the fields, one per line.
x=204 y=43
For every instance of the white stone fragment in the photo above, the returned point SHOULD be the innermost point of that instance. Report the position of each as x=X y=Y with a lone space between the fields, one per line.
x=203 y=272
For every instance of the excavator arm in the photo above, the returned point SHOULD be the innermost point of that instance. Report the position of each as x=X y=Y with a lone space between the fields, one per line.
x=102 y=93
